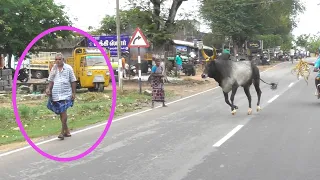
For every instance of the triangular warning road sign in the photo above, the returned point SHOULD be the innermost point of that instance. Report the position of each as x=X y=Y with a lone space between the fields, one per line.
x=138 y=40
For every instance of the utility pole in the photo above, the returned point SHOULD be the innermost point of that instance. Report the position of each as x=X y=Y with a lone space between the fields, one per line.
x=119 y=46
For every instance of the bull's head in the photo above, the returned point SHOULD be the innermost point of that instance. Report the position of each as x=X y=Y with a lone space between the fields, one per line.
x=209 y=64
x=209 y=70
x=207 y=58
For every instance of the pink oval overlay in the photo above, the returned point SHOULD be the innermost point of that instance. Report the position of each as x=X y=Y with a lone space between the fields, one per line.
x=14 y=93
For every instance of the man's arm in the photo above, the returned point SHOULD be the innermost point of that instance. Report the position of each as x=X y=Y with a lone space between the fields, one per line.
x=153 y=69
x=311 y=63
x=316 y=65
x=50 y=79
x=74 y=87
x=50 y=85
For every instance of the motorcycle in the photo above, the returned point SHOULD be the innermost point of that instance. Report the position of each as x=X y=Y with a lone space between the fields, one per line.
x=284 y=57
x=265 y=59
x=23 y=75
x=133 y=70
x=317 y=92
x=189 y=69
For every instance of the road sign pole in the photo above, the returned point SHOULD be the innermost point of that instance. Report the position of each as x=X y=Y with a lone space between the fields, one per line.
x=138 y=40
x=120 y=68
x=139 y=62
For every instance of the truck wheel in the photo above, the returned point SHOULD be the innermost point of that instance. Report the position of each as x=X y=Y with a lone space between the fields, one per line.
x=100 y=87
x=91 y=89
x=78 y=86
x=39 y=74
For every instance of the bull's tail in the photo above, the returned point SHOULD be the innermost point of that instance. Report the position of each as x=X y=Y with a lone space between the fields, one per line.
x=273 y=85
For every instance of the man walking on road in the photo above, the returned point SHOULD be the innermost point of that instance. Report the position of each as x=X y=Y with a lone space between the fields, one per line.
x=61 y=91
x=291 y=54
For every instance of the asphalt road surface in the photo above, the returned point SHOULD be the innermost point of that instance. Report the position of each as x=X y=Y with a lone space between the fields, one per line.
x=195 y=139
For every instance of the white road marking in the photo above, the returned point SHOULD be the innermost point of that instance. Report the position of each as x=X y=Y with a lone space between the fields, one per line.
x=291 y=84
x=225 y=138
x=274 y=98
x=119 y=119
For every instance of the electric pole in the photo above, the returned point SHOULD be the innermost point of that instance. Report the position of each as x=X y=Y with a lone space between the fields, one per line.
x=120 y=68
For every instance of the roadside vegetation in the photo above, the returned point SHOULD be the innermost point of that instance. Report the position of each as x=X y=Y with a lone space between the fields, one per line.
x=89 y=108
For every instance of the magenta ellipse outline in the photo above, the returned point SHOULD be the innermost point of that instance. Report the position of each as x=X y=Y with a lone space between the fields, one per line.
x=14 y=93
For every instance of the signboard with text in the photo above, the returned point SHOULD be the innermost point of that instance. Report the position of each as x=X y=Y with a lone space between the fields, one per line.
x=253 y=44
x=182 y=49
x=110 y=42
x=198 y=43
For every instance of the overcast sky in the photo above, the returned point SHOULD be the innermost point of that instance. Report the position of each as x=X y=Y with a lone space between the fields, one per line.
x=90 y=13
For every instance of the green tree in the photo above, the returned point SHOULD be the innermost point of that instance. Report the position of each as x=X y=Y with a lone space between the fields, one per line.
x=157 y=22
x=23 y=20
x=287 y=42
x=314 y=43
x=246 y=19
x=129 y=20
x=303 y=40
x=270 y=40
x=213 y=40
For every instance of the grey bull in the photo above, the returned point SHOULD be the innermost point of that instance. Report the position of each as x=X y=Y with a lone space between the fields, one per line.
x=230 y=75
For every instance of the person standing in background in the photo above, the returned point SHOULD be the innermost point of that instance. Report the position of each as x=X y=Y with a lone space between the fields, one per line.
x=157 y=83
x=178 y=63
x=291 y=53
x=123 y=60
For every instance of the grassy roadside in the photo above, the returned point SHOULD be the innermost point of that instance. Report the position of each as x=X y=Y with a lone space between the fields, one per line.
x=90 y=108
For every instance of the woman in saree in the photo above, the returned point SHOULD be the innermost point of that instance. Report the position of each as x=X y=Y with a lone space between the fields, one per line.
x=157 y=84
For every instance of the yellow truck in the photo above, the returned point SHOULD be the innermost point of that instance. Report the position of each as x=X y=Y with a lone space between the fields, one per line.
x=41 y=63
x=90 y=68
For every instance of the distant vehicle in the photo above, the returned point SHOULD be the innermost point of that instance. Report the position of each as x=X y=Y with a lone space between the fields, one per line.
x=90 y=68
x=41 y=63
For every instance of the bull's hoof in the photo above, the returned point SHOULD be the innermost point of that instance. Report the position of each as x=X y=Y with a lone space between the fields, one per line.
x=258 y=108
x=233 y=112
x=236 y=107
x=249 y=111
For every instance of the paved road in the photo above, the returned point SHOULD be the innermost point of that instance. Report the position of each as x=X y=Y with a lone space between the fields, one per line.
x=176 y=143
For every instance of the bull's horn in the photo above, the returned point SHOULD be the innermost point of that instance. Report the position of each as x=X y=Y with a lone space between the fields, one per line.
x=204 y=54
x=214 y=54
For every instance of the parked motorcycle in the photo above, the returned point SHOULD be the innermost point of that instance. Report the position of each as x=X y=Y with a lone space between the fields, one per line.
x=265 y=60
x=133 y=70
x=189 y=69
x=317 y=92
x=23 y=75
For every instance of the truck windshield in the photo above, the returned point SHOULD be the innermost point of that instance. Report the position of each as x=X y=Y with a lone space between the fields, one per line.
x=95 y=61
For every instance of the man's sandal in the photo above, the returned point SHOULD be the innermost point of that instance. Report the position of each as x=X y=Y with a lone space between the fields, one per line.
x=67 y=135
x=61 y=136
